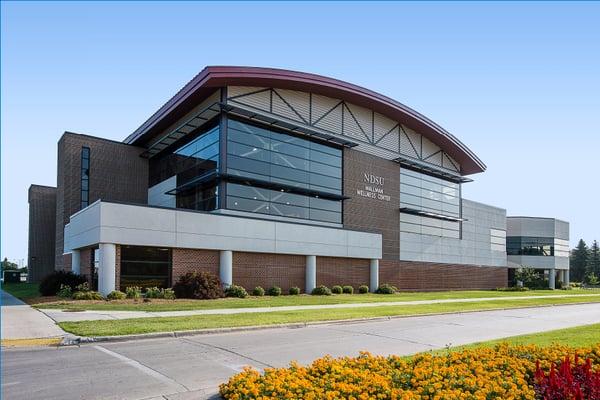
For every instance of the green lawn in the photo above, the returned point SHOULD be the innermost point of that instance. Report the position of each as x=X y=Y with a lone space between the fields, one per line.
x=268 y=301
x=579 y=336
x=169 y=324
x=22 y=290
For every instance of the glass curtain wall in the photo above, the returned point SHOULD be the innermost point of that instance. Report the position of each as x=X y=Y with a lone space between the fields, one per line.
x=420 y=192
x=536 y=246
x=286 y=163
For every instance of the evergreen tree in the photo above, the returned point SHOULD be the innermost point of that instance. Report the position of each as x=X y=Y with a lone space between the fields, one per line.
x=593 y=265
x=578 y=261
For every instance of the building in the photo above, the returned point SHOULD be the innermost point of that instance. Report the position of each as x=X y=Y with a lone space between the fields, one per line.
x=273 y=177
x=540 y=243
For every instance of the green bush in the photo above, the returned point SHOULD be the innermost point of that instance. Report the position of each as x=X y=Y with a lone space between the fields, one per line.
x=337 y=289
x=294 y=290
x=116 y=295
x=198 y=285
x=362 y=289
x=236 y=291
x=591 y=279
x=531 y=278
x=133 y=292
x=386 y=289
x=168 y=294
x=258 y=291
x=84 y=287
x=65 y=292
x=348 y=289
x=153 y=293
x=51 y=284
x=321 y=291
x=513 y=289
x=274 y=291
x=87 y=295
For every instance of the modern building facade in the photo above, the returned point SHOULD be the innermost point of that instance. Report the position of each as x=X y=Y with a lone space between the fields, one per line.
x=273 y=177
x=540 y=243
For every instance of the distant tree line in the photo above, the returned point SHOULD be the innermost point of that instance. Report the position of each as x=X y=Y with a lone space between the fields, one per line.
x=585 y=263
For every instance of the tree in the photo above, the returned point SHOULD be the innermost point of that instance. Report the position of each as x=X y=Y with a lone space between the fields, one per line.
x=7 y=265
x=593 y=265
x=578 y=261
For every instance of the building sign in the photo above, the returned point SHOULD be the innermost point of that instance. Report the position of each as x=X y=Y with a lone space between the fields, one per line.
x=373 y=187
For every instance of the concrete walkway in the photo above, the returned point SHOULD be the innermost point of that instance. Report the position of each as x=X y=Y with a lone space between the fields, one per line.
x=20 y=321
x=192 y=367
x=61 y=316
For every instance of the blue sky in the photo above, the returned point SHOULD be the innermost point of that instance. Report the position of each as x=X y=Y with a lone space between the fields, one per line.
x=519 y=83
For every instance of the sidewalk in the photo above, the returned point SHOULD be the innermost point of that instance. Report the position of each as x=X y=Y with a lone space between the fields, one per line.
x=20 y=321
x=62 y=316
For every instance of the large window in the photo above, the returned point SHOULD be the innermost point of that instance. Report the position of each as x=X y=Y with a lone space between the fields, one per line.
x=533 y=246
x=194 y=164
x=300 y=174
x=85 y=177
x=422 y=194
x=145 y=267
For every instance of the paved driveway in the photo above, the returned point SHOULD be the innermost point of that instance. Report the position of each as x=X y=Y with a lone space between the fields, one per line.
x=193 y=367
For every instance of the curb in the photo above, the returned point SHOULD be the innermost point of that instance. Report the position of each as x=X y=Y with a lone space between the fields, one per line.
x=73 y=340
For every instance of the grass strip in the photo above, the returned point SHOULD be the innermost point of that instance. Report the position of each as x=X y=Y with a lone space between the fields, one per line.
x=269 y=301
x=22 y=290
x=170 y=324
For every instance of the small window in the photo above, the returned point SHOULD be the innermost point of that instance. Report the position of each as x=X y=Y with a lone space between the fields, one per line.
x=85 y=177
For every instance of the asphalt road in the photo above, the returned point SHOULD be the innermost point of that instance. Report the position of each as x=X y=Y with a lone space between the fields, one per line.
x=192 y=367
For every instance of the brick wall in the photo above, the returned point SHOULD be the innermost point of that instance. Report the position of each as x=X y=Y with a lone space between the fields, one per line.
x=42 y=229
x=413 y=275
x=191 y=260
x=85 y=266
x=117 y=172
x=266 y=270
x=342 y=271
x=373 y=214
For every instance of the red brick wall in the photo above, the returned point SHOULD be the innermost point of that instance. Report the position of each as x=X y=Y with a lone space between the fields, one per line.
x=192 y=260
x=85 y=264
x=266 y=270
x=66 y=262
x=412 y=275
x=342 y=271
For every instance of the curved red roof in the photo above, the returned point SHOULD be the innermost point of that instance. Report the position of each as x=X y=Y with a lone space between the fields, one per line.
x=218 y=76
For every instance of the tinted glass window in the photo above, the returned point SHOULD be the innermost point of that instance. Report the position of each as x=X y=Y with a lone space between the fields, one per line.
x=145 y=267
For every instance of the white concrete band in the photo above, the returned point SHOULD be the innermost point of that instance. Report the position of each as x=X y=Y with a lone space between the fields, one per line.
x=311 y=273
x=76 y=262
x=374 y=275
x=226 y=267
x=106 y=268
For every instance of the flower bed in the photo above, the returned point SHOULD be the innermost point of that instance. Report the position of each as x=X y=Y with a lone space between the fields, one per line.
x=501 y=372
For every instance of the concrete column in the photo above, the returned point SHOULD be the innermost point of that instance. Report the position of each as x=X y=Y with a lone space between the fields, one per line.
x=106 y=268
x=561 y=276
x=311 y=273
x=567 y=280
x=76 y=262
x=226 y=267
x=374 y=275
x=552 y=278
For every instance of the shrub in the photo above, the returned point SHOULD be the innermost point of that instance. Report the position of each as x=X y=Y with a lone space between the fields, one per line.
x=258 y=291
x=51 y=284
x=236 y=291
x=348 y=289
x=168 y=294
x=133 y=292
x=198 y=285
x=362 y=289
x=87 y=295
x=84 y=287
x=531 y=278
x=513 y=289
x=274 y=291
x=386 y=289
x=591 y=279
x=294 y=290
x=321 y=291
x=153 y=293
x=116 y=295
x=65 y=292
x=337 y=289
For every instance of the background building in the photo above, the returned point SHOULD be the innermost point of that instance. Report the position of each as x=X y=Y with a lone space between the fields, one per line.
x=274 y=177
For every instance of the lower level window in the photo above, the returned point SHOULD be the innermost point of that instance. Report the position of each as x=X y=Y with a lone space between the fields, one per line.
x=145 y=267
